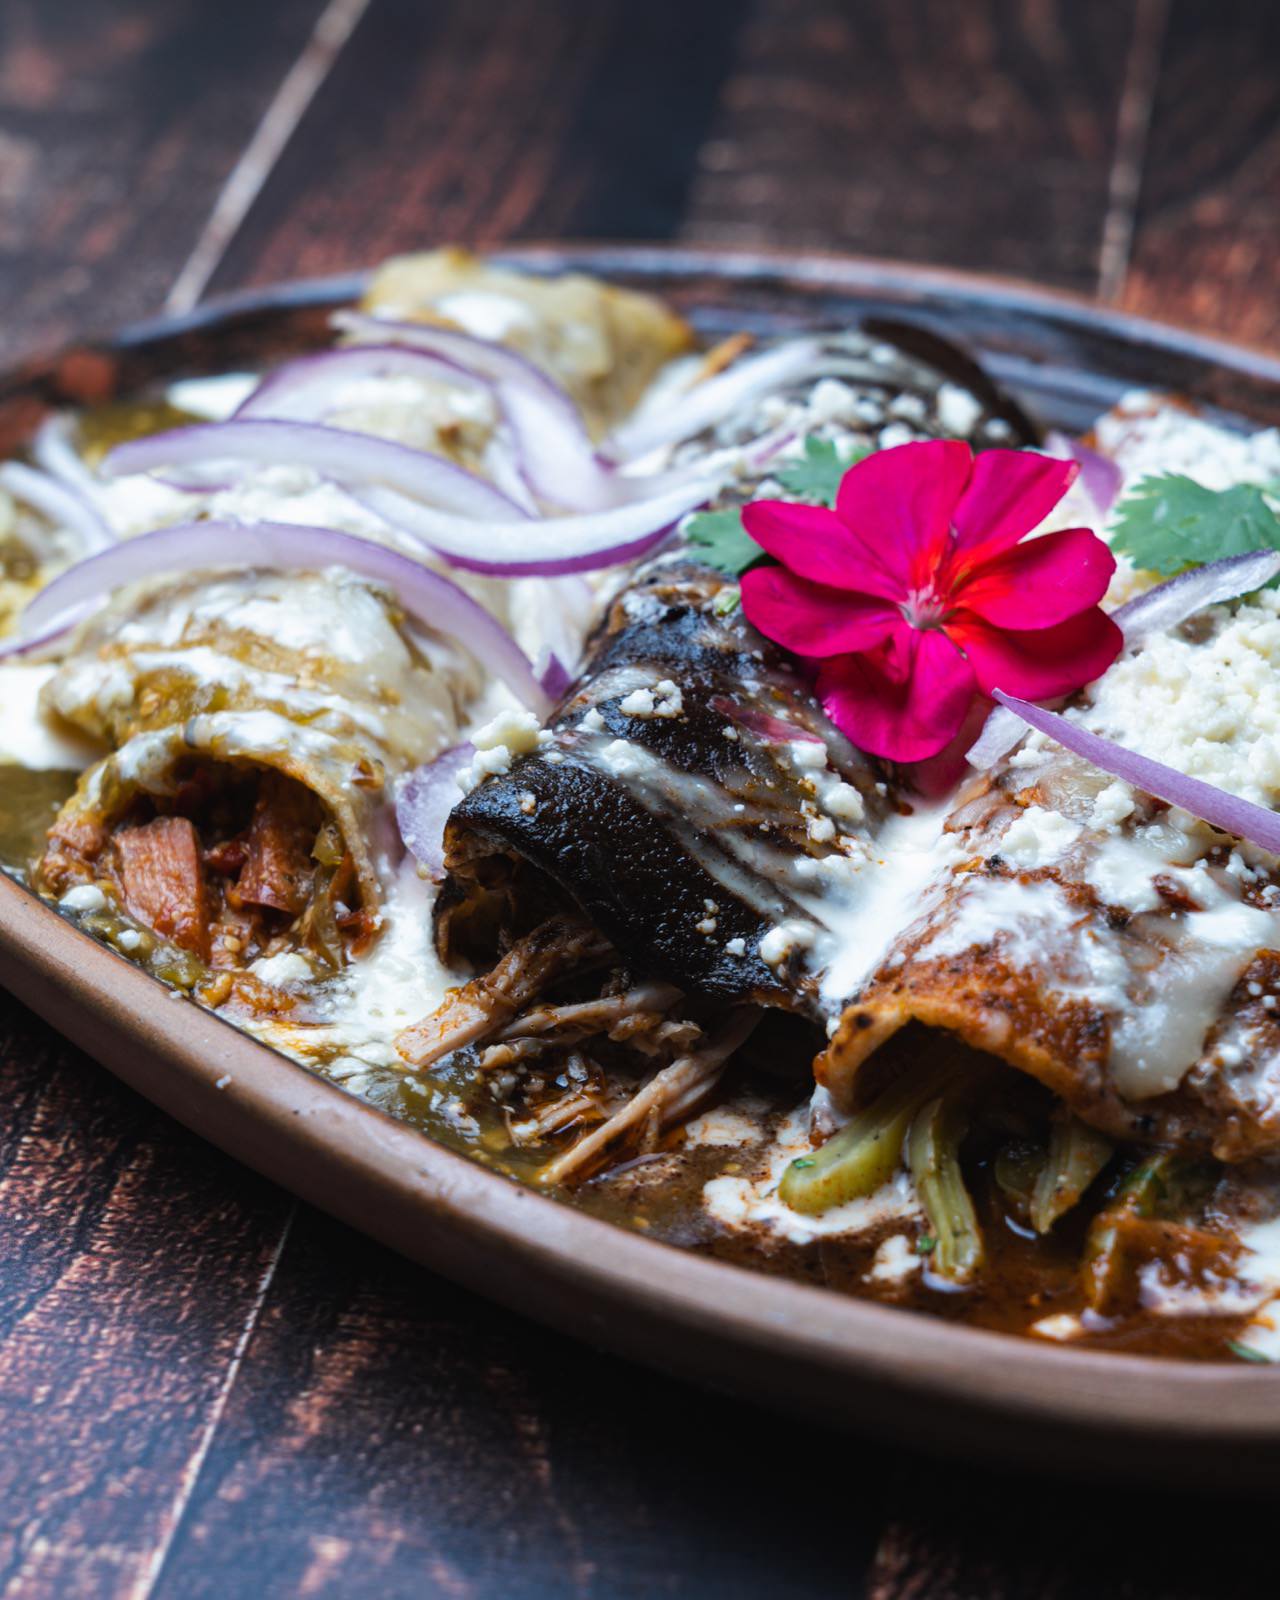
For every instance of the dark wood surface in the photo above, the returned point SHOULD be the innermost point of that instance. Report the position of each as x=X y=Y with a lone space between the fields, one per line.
x=206 y=1390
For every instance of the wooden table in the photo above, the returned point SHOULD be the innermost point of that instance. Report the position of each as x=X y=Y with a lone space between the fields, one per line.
x=206 y=1389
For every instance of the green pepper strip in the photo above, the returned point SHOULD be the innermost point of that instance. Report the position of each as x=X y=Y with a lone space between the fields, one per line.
x=933 y=1154
x=1076 y=1156
x=864 y=1155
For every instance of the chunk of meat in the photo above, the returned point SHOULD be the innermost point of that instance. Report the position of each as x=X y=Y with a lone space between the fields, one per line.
x=278 y=870
x=559 y=946
x=162 y=880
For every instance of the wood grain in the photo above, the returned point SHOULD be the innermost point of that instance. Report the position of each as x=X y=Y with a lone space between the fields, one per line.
x=393 y=1435
x=970 y=136
x=1206 y=248
x=118 y=125
x=483 y=120
x=133 y=1259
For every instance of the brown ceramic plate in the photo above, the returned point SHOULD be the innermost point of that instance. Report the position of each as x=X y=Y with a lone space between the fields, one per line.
x=831 y=1358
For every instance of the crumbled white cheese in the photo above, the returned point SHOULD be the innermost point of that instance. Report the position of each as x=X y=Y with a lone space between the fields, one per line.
x=843 y=800
x=958 y=410
x=1211 y=709
x=85 y=897
x=592 y=721
x=1113 y=805
x=807 y=754
x=286 y=967
x=781 y=940
x=622 y=758
x=736 y=947
x=1036 y=837
x=707 y=925
x=517 y=730
x=639 y=703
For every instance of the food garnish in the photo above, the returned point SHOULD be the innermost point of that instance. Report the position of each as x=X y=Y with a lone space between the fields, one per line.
x=1168 y=523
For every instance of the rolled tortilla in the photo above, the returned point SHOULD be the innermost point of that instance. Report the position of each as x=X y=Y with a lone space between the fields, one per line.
x=1128 y=962
x=258 y=721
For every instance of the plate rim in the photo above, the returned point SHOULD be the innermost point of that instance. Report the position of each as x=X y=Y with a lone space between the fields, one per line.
x=847 y=1360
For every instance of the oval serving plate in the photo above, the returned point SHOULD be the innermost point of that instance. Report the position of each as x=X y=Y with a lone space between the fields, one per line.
x=832 y=1358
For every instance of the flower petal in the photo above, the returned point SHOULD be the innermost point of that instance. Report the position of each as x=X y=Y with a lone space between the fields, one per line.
x=1009 y=493
x=907 y=721
x=812 y=619
x=813 y=542
x=900 y=502
x=1043 y=661
x=1040 y=582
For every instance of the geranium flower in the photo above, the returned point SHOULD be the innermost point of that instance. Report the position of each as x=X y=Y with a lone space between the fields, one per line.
x=914 y=594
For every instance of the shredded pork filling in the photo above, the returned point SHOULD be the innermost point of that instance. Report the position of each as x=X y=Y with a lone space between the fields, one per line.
x=233 y=865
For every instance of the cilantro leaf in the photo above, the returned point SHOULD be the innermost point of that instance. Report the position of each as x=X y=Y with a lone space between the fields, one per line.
x=817 y=475
x=722 y=541
x=1170 y=522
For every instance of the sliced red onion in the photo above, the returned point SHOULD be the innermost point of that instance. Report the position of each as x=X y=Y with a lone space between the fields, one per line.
x=336 y=453
x=303 y=390
x=553 y=675
x=53 y=450
x=1102 y=477
x=551 y=439
x=424 y=802
x=63 y=506
x=1000 y=733
x=773 y=730
x=194 y=546
x=1173 y=602
x=1215 y=806
x=578 y=543
x=27 y=644
x=710 y=402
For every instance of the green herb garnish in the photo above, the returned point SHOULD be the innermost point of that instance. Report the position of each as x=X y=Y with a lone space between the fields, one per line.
x=926 y=1244
x=817 y=475
x=1246 y=1353
x=801 y=1162
x=722 y=542
x=1168 y=523
x=727 y=601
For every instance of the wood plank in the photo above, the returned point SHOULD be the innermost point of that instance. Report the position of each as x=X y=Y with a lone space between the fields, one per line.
x=478 y=122
x=392 y=1435
x=954 y=1533
x=1206 y=249
x=133 y=1259
x=975 y=136
x=119 y=125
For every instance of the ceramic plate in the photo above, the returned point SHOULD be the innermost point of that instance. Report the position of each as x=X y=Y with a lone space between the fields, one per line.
x=834 y=1359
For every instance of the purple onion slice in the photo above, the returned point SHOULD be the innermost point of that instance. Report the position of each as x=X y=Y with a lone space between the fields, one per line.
x=63 y=506
x=335 y=453
x=1173 y=602
x=1215 y=806
x=710 y=402
x=580 y=542
x=424 y=802
x=302 y=390
x=1102 y=477
x=432 y=599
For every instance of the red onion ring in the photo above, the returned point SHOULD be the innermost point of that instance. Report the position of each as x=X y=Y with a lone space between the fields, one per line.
x=1215 y=806
x=709 y=402
x=551 y=439
x=302 y=390
x=581 y=542
x=27 y=644
x=335 y=453
x=63 y=506
x=431 y=598
x=424 y=802
x=1102 y=477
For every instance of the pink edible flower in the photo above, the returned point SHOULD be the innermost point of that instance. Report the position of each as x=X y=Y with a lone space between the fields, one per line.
x=915 y=595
